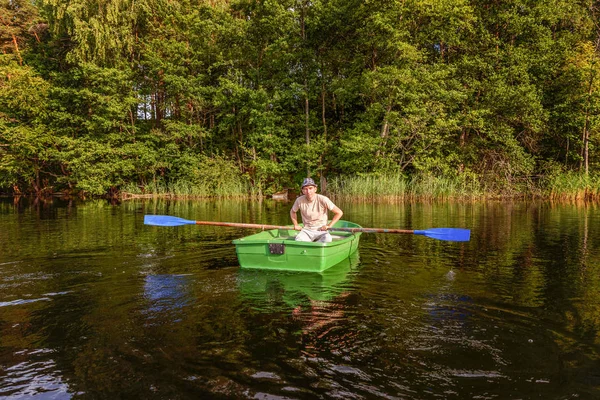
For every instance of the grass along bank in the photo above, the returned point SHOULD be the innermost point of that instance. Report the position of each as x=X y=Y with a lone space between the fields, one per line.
x=225 y=188
x=572 y=186
x=561 y=186
x=392 y=188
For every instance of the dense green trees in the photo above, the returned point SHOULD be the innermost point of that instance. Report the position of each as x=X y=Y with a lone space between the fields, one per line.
x=156 y=95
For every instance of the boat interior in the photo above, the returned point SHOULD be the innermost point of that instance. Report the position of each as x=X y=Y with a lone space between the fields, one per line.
x=290 y=235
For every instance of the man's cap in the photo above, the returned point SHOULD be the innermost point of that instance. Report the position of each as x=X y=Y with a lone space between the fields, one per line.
x=308 y=182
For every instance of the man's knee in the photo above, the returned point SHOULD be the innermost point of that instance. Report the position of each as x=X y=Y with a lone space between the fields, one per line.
x=326 y=238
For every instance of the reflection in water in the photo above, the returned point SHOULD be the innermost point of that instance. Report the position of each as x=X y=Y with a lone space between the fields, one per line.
x=266 y=289
x=93 y=304
x=34 y=377
x=449 y=307
x=22 y=301
x=166 y=292
x=315 y=301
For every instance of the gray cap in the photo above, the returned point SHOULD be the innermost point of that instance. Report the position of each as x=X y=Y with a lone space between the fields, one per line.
x=308 y=182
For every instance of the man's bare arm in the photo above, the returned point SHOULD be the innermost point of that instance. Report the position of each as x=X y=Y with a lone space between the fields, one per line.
x=294 y=218
x=337 y=214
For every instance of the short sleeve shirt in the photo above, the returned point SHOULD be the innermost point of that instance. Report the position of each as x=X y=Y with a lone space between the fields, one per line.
x=314 y=213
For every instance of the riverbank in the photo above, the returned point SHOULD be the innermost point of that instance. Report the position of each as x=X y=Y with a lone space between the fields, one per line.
x=374 y=188
x=566 y=186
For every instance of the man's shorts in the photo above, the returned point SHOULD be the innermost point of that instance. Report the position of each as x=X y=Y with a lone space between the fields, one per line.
x=310 y=235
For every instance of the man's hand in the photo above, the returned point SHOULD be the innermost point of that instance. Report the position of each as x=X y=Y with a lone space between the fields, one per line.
x=324 y=228
x=297 y=227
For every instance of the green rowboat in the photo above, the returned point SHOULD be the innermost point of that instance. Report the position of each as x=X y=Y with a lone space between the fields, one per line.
x=276 y=249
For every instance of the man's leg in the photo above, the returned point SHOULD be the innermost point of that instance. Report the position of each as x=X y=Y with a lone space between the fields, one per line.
x=309 y=235
x=303 y=236
x=325 y=238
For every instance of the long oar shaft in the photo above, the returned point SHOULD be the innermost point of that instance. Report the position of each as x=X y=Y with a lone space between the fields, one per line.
x=241 y=225
x=373 y=230
x=448 y=234
x=261 y=226
x=166 y=220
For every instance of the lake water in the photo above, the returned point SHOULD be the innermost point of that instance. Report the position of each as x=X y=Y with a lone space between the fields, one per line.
x=94 y=304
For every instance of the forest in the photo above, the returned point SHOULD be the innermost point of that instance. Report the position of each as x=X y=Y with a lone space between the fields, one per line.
x=246 y=97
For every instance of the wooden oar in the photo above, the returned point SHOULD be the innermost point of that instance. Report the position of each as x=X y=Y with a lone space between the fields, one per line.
x=448 y=234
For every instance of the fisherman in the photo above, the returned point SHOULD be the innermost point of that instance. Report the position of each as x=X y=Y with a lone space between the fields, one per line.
x=314 y=208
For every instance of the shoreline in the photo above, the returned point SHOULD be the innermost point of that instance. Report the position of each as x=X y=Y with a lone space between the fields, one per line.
x=564 y=198
x=371 y=188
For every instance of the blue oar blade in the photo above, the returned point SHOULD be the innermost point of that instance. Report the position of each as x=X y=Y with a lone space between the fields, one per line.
x=448 y=234
x=166 y=220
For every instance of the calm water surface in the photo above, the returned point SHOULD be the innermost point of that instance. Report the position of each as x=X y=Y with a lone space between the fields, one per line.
x=94 y=304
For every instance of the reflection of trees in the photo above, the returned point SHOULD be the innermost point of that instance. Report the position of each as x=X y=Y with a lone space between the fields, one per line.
x=113 y=335
x=131 y=347
x=571 y=273
x=530 y=260
x=16 y=331
x=106 y=337
x=590 y=283
x=538 y=250
x=540 y=256
x=56 y=227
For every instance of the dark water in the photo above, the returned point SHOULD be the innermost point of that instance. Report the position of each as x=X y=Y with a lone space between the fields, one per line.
x=94 y=304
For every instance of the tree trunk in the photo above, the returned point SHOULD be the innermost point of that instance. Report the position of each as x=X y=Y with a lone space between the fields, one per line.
x=17 y=49
x=585 y=136
x=385 y=130
x=324 y=119
x=306 y=118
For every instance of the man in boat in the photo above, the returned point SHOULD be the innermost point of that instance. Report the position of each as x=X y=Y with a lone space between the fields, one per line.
x=314 y=208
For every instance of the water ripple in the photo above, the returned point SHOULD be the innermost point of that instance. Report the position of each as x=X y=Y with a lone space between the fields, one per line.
x=33 y=378
x=22 y=301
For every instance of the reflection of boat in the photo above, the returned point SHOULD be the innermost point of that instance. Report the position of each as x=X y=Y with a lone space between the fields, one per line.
x=277 y=249
x=294 y=287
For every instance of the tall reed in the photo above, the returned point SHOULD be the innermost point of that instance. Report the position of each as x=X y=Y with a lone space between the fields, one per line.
x=227 y=188
x=398 y=187
x=572 y=186
x=565 y=186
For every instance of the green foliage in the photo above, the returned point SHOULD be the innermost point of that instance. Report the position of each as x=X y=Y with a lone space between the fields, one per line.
x=23 y=93
x=26 y=145
x=231 y=97
x=17 y=26
x=100 y=32
x=192 y=175
x=26 y=157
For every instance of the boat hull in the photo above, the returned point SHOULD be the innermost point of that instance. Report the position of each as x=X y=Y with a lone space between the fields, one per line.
x=276 y=249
